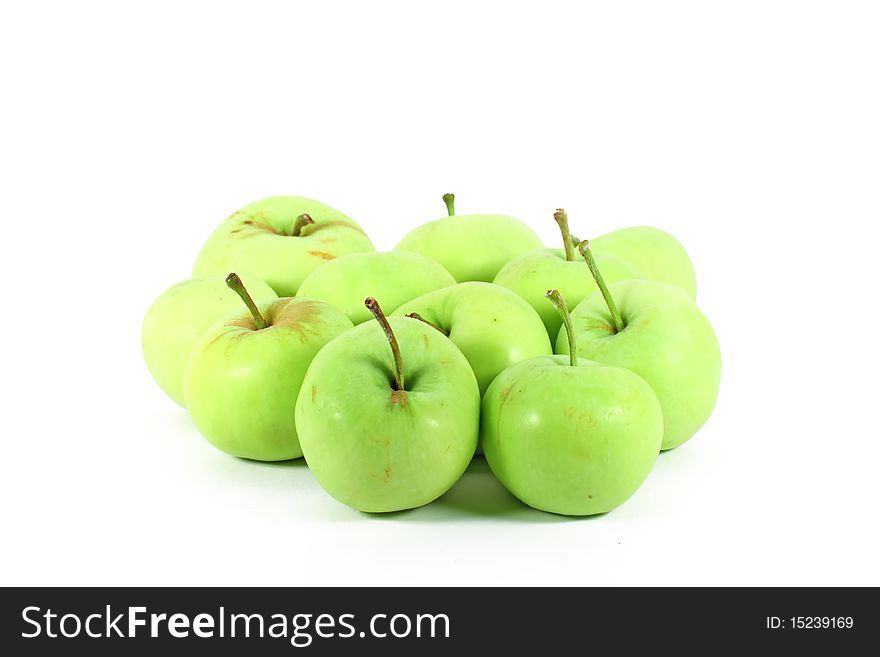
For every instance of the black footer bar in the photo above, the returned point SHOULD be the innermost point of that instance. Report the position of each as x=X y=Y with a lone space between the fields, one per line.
x=424 y=621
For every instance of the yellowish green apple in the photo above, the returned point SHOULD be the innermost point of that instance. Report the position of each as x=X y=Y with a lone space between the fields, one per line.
x=388 y=414
x=493 y=327
x=532 y=274
x=280 y=240
x=178 y=318
x=657 y=331
x=655 y=254
x=393 y=276
x=569 y=435
x=471 y=247
x=243 y=375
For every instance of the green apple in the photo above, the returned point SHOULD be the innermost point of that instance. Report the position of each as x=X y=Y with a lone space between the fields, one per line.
x=472 y=247
x=281 y=240
x=568 y=435
x=657 y=331
x=491 y=326
x=388 y=430
x=657 y=255
x=532 y=273
x=244 y=373
x=394 y=276
x=176 y=320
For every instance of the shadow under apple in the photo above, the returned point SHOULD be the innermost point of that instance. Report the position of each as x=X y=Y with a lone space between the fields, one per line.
x=476 y=496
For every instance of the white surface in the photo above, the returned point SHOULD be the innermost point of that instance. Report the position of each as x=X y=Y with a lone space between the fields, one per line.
x=749 y=130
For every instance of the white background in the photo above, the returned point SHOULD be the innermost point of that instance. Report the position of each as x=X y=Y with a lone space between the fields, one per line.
x=747 y=129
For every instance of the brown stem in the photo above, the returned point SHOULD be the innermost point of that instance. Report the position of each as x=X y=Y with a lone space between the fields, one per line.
x=301 y=222
x=235 y=284
x=587 y=253
x=429 y=323
x=562 y=219
x=558 y=302
x=373 y=306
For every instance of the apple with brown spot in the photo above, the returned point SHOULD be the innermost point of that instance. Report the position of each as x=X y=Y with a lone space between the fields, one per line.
x=280 y=240
x=388 y=414
x=243 y=375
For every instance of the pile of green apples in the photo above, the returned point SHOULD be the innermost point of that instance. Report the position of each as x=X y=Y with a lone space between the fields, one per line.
x=293 y=355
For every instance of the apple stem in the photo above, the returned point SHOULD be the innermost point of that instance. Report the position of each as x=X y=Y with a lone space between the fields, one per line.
x=301 y=222
x=449 y=200
x=562 y=219
x=235 y=284
x=558 y=301
x=429 y=323
x=373 y=306
x=587 y=253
